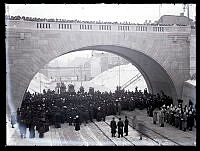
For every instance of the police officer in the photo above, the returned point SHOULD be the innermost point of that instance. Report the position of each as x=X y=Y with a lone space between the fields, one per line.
x=77 y=123
x=113 y=126
x=120 y=126
x=126 y=126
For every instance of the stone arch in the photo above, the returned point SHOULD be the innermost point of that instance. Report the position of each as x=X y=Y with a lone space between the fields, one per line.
x=154 y=74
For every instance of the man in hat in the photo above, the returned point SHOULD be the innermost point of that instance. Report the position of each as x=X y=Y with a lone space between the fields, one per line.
x=120 y=126
x=126 y=126
x=113 y=126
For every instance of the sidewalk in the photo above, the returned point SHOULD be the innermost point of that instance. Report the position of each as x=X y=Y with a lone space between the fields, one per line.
x=187 y=138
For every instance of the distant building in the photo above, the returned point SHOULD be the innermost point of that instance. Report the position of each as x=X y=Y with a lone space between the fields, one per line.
x=172 y=19
x=82 y=68
x=109 y=60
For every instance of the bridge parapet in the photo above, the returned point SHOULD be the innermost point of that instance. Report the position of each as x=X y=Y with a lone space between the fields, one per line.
x=94 y=27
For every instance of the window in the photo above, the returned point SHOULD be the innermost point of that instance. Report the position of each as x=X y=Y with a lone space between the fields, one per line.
x=65 y=26
x=49 y=25
x=40 y=25
x=90 y=26
x=43 y=25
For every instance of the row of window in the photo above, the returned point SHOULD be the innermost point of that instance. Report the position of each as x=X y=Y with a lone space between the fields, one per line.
x=104 y=27
x=65 y=26
x=141 y=28
x=85 y=26
x=43 y=25
x=125 y=28
x=158 y=29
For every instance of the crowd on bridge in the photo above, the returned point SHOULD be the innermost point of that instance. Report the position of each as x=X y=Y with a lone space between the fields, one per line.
x=41 y=110
x=8 y=17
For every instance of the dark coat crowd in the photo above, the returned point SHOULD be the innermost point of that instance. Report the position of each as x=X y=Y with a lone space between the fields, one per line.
x=39 y=111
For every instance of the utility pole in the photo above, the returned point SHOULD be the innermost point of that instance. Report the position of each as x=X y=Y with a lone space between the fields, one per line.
x=40 y=83
x=81 y=74
x=119 y=71
x=188 y=13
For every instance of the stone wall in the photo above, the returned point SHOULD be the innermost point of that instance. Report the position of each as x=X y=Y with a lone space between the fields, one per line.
x=161 y=57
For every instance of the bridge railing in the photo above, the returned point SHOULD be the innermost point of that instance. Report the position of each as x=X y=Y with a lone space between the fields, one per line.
x=94 y=27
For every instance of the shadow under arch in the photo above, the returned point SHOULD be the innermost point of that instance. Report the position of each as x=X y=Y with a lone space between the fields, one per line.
x=154 y=74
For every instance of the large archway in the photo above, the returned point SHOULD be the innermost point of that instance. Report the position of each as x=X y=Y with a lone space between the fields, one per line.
x=154 y=74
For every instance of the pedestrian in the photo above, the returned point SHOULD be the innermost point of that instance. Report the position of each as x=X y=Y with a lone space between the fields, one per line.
x=13 y=119
x=31 y=130
x=120 y=126
x=22 y=128
x=134 y=122
x=113 y=126
x=155 y=117
x=162 y=118
x=126 y=126
x=140 y=128
x=184 y=121
x=77 y=123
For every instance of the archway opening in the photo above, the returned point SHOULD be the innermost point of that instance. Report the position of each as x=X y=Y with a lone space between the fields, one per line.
x=100 y=70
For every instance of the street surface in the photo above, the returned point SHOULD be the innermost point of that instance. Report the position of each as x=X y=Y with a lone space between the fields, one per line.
x=98 y=134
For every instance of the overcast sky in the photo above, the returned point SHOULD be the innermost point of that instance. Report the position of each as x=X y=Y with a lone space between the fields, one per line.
x=136 y=13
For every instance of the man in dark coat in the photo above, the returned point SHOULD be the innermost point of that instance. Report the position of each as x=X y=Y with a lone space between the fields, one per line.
x=113 y=126
x=77 y=123
x=126 y=126
x=120 y=126
x=57 y=120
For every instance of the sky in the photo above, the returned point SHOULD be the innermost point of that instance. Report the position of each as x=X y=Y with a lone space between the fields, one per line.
x=136 y=13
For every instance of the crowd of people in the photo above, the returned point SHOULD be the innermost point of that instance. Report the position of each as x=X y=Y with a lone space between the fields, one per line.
x=80 y=21
x=38 y=111
x=181 y=117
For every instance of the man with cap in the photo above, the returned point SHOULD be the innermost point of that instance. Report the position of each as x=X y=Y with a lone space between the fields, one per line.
x=113 y=126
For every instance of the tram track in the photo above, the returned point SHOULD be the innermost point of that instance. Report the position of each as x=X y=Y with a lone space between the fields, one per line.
x=128 y=116
x=105 y=134
x=123 y=137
